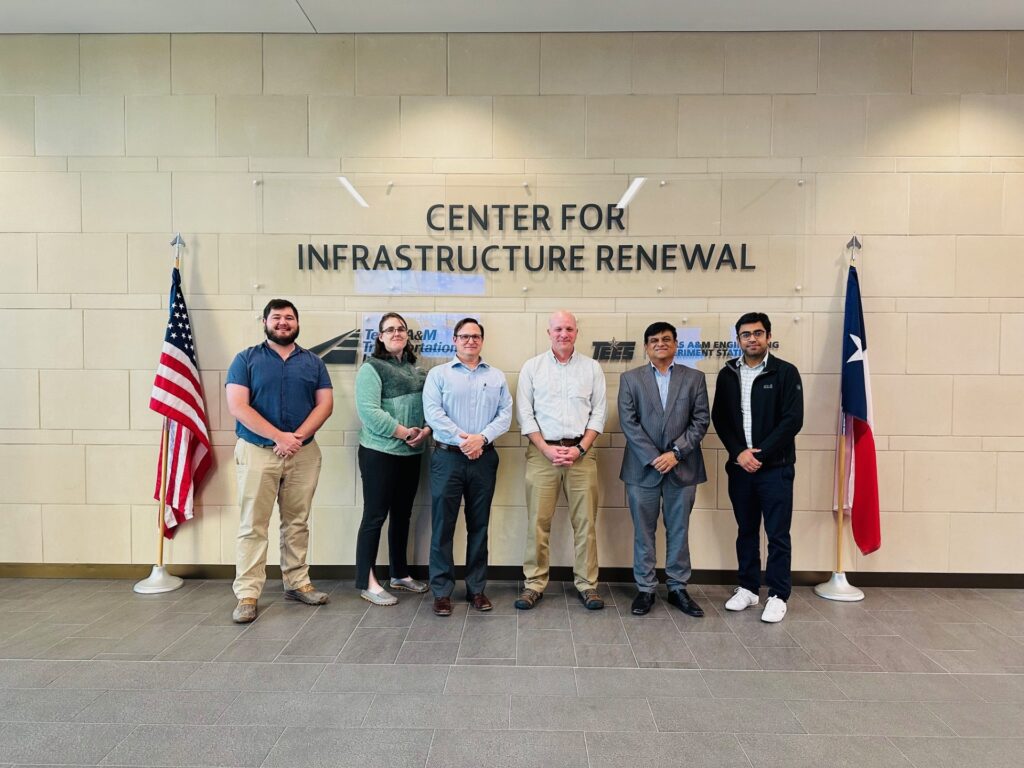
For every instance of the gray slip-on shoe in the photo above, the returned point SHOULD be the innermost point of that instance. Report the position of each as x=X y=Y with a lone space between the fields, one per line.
x=379 y=598
x=408 y=584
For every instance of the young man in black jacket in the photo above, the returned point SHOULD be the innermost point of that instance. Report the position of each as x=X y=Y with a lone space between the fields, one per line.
x=758 y=411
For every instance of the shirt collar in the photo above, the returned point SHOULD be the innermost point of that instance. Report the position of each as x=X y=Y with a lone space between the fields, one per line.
x=659 y=373
x=572 y=357
x=456 y=363
x=266 y=347
x=763 y=364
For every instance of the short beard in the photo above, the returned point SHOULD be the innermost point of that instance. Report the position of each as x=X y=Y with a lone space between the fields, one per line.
x=284 y=341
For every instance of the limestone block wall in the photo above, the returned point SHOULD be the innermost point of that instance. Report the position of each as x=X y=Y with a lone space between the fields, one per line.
x=788 y=142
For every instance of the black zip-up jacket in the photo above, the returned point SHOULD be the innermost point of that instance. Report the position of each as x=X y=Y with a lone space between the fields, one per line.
x=777 y=409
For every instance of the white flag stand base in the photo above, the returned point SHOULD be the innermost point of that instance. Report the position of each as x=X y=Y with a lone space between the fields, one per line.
x=159 y=581
x=838 y=588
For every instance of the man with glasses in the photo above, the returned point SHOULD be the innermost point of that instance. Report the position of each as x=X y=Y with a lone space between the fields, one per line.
x=561 y=399
x=758 y=411
x=663 y=411
x=468 y=406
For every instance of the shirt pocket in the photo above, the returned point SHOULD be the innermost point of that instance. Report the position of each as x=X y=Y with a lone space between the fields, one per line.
x=490 y=397
x=581 y=390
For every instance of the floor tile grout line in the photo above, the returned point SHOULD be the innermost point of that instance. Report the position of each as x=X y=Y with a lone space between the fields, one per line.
x=904 y=755
x=654 y=719
x=462 y=636
x=362 y=723
x=739 y=744
x=220 y=716
x=273 y=746
x=127 y=736
x=433 y=736
x=785 y=703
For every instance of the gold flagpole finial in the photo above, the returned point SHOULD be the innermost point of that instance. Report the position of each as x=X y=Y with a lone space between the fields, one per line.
x=177 y=243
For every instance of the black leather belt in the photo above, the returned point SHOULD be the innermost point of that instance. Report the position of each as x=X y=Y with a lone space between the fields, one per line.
x=566 y=442
x=458 y=449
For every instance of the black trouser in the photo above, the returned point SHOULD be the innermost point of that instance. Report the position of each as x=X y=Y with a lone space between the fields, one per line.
x=767 y=493
x=389 y=487
x=452 y=478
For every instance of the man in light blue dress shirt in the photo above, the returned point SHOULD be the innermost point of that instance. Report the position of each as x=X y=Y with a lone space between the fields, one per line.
x=468 y=406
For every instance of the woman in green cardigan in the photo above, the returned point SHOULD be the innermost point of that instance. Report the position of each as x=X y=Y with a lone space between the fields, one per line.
x=389 y=401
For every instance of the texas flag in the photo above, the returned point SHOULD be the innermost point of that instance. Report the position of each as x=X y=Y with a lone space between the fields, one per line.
x=856 y=417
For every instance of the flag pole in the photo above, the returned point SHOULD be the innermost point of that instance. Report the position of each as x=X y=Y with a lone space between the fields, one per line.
x=841 y=494
x=160 y=525
x=837 y=587
x=159 y=579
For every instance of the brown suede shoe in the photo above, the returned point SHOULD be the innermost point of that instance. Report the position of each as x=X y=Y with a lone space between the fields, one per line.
x=443 y=606
x=479 y=601
x=307 y=594
x=591 y=600
x=528 y=598
x=245 y=611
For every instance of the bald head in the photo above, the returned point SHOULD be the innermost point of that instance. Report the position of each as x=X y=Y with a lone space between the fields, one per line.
x=562 y=317
x=562 y=332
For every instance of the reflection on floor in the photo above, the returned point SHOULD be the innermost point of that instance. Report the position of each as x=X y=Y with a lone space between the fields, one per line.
x=91 y=673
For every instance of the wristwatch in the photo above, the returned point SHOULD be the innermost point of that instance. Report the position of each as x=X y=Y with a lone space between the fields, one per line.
x=677 y=453
x=486 y=441
x=581 y=449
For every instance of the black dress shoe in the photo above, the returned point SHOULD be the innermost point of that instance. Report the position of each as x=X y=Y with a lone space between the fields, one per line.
x=681 y=600
x=642 y=603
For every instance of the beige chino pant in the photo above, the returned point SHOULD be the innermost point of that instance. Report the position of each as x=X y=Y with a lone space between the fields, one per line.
x=263 y=478
x=544 y=482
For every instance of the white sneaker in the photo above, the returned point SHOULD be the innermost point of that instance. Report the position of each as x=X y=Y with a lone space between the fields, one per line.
x=774 y=610
x=741 y=599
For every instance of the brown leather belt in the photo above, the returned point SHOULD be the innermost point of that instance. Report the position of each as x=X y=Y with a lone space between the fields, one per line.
x=457 y=449
x=566 y=442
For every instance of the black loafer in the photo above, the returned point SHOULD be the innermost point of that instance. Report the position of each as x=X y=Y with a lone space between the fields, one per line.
x=681 y=600
x=642 y=603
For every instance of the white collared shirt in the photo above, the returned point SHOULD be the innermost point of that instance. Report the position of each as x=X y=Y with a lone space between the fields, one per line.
x=561 y=400
x=747 y=376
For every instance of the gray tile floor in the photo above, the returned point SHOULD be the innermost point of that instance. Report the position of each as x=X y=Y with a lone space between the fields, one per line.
x=92 y=674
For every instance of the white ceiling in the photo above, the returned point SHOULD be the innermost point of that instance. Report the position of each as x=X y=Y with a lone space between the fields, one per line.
x=23 y=16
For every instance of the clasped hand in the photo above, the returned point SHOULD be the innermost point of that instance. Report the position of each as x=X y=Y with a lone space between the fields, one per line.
x=472 y=446
x=287 y=444
x=665 y=462
x=562 y=455
x=417 y=436
x=747 y=460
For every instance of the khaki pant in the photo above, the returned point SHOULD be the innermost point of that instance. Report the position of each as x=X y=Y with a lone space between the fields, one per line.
x=543 y=485
x=263 y=478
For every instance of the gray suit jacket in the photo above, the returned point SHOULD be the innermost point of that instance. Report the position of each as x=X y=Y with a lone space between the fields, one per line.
x=651 y=430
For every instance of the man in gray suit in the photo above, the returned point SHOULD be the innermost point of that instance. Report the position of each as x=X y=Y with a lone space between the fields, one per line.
x=663 y=410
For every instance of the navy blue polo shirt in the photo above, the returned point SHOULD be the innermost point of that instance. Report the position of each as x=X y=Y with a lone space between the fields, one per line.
x=281 y=391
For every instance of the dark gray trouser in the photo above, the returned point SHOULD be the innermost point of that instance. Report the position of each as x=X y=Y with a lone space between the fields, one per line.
x=452 y=478
x=645 y=504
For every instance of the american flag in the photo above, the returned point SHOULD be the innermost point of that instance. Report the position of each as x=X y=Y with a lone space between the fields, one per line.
x=178 y=397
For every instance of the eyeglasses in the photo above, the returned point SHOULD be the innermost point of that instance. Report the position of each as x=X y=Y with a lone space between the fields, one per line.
x=469 y=337
x=391 y=331
x=748 y=335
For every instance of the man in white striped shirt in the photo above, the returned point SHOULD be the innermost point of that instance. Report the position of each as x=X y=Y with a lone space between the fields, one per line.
x=561 y=401
x=758 y=411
